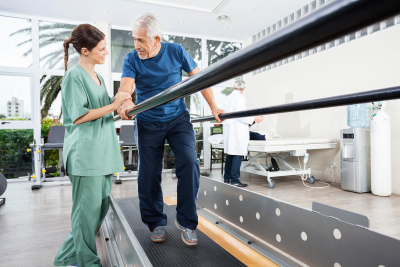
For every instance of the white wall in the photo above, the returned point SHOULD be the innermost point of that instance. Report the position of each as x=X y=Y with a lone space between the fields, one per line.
x=371 y=62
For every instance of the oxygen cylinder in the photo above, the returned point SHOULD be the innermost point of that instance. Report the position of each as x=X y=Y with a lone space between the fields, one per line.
x=381 y=164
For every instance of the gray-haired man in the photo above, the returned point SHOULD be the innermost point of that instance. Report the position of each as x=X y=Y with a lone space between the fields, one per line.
x=150 y=69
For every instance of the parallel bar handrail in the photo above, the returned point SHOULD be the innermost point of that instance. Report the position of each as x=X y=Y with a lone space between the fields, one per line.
x=334 y=101
x=332 y=21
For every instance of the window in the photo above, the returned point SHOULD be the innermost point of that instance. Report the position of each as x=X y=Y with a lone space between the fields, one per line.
x=330 y=44
x=268 y=30
x=364 y=32
x=51 y=50
x=16 y=42
x=285 y=21
x=262 y=33
x=298 y=14
x=279 y=25
x=389 y=22
x=15 y=90
x=340 y=41
x=192 y=46
x=291 y=18
x=305 y=10
x=321 y=2
x=254 y=38
x=217 y=50
x=351 y=36
x=376 y=27
x=273 y=28
x=121 y=44
x=258 y=36
x=313 y=5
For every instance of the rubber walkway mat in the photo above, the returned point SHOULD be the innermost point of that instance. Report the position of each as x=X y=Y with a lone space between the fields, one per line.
x=173 y=252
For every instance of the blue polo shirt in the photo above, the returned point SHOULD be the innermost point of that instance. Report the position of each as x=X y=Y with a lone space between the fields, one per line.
x=157 y=74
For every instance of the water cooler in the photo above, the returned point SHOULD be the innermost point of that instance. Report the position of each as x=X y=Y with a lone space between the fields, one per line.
x=355 y=159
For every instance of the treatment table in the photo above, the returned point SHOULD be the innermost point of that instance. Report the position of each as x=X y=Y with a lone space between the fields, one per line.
x=280 y=148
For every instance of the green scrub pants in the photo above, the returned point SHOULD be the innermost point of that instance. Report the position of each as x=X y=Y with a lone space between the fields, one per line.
x=90 y=197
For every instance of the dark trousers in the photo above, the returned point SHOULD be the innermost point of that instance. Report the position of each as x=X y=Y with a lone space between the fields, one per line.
x=150 y=140
x=256 y=136
x=232 y=168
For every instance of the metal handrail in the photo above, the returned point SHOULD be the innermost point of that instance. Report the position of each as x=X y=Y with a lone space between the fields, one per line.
x=332 y=21
x=334 y=101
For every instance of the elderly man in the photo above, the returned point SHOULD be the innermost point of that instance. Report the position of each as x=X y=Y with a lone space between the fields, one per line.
x=150 y=69
x=236 y=134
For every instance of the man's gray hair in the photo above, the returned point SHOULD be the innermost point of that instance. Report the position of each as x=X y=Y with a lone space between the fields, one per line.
x=239 y=84
x=148 y=22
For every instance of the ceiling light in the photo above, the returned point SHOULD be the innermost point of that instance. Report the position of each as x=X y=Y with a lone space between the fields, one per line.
x=230 y=28
x=181 y=21
x=105 y=11
x=222 y=17
x=257 y=9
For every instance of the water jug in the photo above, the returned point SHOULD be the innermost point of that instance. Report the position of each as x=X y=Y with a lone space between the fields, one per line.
x=357 y=116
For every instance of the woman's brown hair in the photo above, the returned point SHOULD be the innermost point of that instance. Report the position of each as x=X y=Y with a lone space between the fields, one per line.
x=83 y=35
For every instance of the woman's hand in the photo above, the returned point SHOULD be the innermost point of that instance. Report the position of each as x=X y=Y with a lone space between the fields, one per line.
x=120 y=98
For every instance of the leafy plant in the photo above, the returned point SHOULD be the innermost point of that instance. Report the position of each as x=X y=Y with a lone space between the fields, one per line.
x=15 y=160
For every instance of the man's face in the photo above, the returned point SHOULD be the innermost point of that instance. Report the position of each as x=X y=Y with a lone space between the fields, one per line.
x=144 y=46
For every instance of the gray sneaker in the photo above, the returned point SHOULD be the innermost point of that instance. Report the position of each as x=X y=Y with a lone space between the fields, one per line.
x=188 y=236
x=159 y=234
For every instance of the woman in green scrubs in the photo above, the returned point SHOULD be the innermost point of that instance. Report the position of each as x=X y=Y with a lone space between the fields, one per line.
x=91 y=151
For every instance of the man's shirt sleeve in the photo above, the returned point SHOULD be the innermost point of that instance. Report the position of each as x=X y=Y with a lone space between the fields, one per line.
x=128 y=69
x=188 y=64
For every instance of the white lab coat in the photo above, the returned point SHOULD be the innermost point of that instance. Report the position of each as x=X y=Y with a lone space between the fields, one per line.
x=236 y=131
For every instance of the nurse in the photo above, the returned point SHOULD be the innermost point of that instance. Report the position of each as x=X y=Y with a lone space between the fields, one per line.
x=236 y=134
x=91 y=151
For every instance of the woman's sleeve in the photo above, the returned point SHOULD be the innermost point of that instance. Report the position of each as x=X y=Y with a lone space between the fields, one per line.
x=74 y=97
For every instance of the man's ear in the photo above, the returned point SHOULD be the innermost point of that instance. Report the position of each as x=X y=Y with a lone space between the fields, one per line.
x=158 y=39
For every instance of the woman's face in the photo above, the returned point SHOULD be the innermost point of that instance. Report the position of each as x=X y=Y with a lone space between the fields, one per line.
x=98 y=53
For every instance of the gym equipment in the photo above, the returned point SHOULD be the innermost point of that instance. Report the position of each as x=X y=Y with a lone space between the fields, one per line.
x=127 y=140
x=55 y=140
x=3 y=187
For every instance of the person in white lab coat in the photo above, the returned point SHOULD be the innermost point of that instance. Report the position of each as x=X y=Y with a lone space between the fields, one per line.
x=236 y=134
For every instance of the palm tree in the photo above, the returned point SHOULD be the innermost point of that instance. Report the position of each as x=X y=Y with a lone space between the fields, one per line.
x=51 y=37
x=51 y=87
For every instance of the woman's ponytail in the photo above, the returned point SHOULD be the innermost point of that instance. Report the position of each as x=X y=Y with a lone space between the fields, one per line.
x=66 y=46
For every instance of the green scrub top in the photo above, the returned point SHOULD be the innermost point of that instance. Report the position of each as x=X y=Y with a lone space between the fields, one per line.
x=90 y=148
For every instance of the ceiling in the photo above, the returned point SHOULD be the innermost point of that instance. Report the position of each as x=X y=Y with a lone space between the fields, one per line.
x=193 y=18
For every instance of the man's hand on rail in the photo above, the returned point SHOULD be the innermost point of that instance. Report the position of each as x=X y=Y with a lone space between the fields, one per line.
x=216 y=111
x=125 y=108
